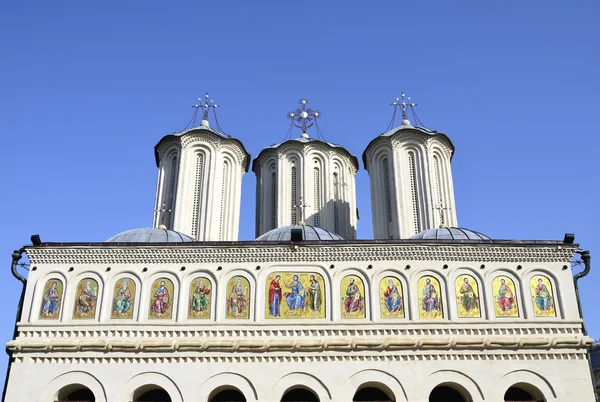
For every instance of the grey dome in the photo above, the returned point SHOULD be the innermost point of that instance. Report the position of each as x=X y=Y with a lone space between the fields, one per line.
x=308 y=233
x=450 y=234
x=150 y=235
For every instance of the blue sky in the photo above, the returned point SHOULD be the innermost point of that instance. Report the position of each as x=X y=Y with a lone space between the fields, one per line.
x=88 y=88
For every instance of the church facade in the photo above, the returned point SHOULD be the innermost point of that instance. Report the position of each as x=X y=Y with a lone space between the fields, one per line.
x=426 y=311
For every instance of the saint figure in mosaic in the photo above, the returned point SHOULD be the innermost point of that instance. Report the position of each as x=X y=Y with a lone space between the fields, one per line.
x=314 y=296
x=295 y=298
x=123 y=299
x=238 y=299
x=467 y=296
x=430 y=298
x=85 y=299
x=51 y=300
x=541 y=291
x=161 y=299
x=504 y=294
x=275 y=297
x=352 y=297
x=200 y=298
x=391 y=298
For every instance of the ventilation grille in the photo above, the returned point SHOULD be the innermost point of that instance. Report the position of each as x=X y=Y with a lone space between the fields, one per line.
x=197 y=194
x=294 y=198
x=316 y=198
x=414 y=193
x=274 y=200
x=388 y=189
x=336 y=209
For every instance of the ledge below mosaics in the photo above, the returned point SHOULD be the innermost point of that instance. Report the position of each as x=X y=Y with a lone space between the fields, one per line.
x=299 y=345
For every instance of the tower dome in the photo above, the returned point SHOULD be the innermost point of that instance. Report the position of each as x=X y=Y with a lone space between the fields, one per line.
x=200 y=181
x=306 y=179
x=445 y=233
x=150 y=235
x=411 y=181
x=308 y=233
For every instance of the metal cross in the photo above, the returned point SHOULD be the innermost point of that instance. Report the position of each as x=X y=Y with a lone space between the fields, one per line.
x=206 y=107
x=304 y=115
x=440 y=208
x=301 y=206
x=403 y=105
x=162 y=213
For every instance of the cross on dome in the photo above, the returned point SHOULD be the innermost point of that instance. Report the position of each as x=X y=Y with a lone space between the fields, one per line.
x=208 y=104
x=304 y=115
x=402 y=103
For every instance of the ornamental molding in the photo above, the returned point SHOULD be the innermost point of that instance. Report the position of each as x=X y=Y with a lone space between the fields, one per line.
x=260 y=253
x=166 y=146
x=346 y=344
x=399 y=139
x=236 y=151
x=313 y=358
x=190 y=138
x=442 y=144
x=569 y=329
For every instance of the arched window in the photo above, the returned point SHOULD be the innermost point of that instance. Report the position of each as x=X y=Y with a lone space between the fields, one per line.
x=154 y=395
x=438 y=189
x=172 y=192
x=76 y=392
x=446 y=394
x=274 y=200
x=523 y=393
x=316 y=197
x=197 y=193
x=336 y=208
x=387 y=188
x=414 y=191
x=371 y=394
x=294 y=197
x=224 y=195
x=300 y=395
x=228 y=395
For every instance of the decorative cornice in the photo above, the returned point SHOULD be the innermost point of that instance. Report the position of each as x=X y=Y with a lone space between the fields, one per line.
x=348 y=344
x=311 y=358
x=250 y=252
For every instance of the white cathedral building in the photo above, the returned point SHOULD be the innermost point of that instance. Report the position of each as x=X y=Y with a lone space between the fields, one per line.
x=183 y=311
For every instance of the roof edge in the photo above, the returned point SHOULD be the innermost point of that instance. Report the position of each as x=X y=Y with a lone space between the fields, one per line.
x=394 y=131
x=179 y=134
x=353 y=158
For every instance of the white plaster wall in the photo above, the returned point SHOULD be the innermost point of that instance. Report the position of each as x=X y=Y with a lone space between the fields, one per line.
x=484 y=380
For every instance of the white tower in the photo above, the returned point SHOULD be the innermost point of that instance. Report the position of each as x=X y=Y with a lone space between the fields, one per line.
x=411 y=180
x=200 y=181
x=306 y=180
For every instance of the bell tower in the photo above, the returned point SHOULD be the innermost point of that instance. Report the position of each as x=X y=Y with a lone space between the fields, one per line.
x=199 y=181
x=411 y=178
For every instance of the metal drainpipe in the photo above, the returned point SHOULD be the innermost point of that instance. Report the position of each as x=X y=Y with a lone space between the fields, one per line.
x=16 y=257
x=586 y=258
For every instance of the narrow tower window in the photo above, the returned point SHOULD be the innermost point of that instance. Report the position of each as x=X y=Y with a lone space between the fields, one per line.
x=172 y=192
x=336 y=209
x=438 y=193
x=413 y=190
x=197 y=194
x=388 y=190
x=316 y=197
x=294 y=198
x=274 y=199
x=223 y=183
